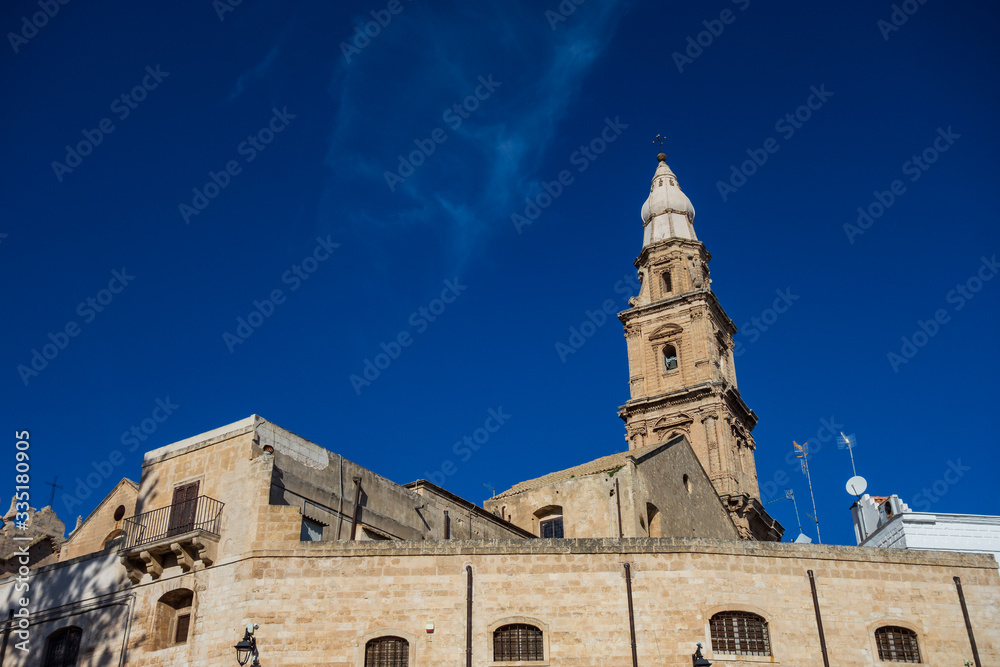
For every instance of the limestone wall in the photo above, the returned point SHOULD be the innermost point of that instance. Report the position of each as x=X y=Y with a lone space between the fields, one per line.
x=319 y=603
x=101 y=525
x=88 y=593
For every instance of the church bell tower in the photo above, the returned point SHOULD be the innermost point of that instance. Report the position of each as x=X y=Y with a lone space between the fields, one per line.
x=680 y=358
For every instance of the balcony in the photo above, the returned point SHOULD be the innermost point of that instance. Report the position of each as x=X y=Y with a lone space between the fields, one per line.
x=178 y=535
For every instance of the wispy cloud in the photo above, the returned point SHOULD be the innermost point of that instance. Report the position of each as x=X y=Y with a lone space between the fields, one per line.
x=396 y=90
x=255 y=72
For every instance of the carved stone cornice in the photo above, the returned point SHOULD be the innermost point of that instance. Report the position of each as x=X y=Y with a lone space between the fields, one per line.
x=704 y=296
x=672 y=244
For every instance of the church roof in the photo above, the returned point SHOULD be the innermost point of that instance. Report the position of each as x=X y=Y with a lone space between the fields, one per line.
x=594 y=467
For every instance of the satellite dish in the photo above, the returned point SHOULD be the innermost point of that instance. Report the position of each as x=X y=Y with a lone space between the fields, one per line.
x=803 y=539
x=856 y=485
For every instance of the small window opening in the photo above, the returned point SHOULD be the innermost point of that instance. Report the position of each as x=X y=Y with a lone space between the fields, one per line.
x=312 y=531
x=518 y=642
x=897 y=644
x=552 y=527
x=668 y=284
x=740 y=633
x=387 y=652
x=670 y=358
x=183 y=625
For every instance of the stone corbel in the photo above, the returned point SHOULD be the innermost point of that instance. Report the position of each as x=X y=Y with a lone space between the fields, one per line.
x=133 y=572
x=204 y=554
x=184 y=557
x=154 y=566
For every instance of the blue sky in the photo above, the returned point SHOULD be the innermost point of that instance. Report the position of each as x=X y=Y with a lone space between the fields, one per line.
x=270 y=146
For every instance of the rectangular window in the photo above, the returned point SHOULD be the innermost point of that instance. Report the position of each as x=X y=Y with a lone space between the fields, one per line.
x=312 y=531
x=552 y=527
x=183 y=625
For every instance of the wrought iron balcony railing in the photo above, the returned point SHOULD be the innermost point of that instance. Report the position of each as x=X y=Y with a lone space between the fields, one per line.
x=201 y=513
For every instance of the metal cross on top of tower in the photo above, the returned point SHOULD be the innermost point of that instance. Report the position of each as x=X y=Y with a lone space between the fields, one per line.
x=52 y=496
x=659 y=142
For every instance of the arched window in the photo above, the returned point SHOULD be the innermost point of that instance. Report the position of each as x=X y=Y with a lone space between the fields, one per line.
x=669 y=358
x=173 y=617
x=62 y=647
x=387 y=652
x=668 y=284
x=518 y=641
x=897 y=644
x=550 y=521
x=739 y=633
x=113 y=540
x=653 y=517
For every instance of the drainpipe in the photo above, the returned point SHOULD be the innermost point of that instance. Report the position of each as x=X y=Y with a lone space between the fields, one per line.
x=631 y=615
x=6 y=634
x=965 y=612
x=618 y=499
x=340 y=510
x=819 y=620
x=468 y=618
x=357 y=499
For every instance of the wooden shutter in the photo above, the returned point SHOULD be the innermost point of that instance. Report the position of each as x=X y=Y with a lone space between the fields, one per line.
x=182 y=509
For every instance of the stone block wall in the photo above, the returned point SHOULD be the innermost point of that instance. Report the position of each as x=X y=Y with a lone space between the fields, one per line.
x=320 y=603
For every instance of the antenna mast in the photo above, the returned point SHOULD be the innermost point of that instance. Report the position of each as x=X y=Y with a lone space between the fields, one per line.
x=843 y=441
x=790 y=495
x=804 y=455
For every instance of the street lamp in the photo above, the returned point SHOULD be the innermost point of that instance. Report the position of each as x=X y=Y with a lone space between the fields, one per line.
x=247 y=647
x=698 y=659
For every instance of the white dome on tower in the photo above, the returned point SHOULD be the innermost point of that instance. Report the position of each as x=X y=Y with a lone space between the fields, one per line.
x=667 y=212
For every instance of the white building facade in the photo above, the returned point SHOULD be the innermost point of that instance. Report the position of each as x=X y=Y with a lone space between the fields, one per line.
x=888 y=523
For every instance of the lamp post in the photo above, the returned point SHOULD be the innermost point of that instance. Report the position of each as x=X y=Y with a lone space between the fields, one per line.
x=698 y=659
x=247 y=647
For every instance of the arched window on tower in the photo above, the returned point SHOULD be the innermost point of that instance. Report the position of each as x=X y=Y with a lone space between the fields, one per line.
x=669 y=358
x=62 y=647
x=668 y=284
x=896 y=644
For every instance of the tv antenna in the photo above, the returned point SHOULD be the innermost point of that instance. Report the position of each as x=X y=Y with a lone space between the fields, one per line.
x=850 y=442
x=493 y=491
x=790 y=495
x=804 y=455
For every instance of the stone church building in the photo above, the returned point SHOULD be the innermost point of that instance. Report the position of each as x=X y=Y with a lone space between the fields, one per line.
x=632 y=559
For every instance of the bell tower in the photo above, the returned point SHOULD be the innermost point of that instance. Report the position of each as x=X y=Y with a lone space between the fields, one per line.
x=682 y=378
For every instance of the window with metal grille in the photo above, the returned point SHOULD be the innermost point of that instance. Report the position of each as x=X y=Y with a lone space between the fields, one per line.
x=387 y=652
x=518 y=641
x=552 y=527
x=897 y=644
x=739 y=633
x=62 y=646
